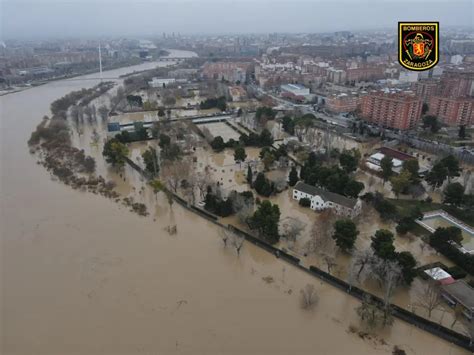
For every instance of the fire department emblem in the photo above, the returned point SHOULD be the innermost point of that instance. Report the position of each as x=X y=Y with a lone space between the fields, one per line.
x=418 y=45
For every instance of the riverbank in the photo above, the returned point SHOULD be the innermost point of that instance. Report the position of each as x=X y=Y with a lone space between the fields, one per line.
x=83 y=275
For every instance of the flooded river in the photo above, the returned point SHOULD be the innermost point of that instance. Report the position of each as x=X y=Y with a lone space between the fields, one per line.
x=80 y=274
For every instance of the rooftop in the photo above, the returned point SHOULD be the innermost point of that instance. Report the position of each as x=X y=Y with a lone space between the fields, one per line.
x=326 y=195
x=462 y=292
x=294 y=86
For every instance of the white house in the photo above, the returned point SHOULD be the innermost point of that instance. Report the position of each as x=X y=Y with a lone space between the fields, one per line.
x=322 y=199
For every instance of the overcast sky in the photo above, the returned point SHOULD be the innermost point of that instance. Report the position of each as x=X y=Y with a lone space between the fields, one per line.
x=88 y=18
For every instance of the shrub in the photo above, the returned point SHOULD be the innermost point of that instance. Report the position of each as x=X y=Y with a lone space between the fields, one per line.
x=457 y=272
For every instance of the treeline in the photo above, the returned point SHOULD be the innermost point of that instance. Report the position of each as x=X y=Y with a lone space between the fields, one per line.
x=82 y=97
x=219 y=102
x=247 y=140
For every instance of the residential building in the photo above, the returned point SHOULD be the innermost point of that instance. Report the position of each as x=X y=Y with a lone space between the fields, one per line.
x=393 y=110
x=454 y=111
x=342 y=103
x=370 y=73
x=229 y=71
x=322 y=199
x=425 y=89
x=457 y=83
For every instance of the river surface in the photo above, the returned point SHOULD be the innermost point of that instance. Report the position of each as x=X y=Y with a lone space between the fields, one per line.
x=80 y=274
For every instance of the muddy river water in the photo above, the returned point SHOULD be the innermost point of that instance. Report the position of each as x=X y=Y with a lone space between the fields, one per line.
x=80 y=274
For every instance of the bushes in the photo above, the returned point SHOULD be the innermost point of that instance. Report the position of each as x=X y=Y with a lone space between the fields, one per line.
x=219 y=103
x=457 y=272
x=305 y=202
x=224 y=208
x=257 y=140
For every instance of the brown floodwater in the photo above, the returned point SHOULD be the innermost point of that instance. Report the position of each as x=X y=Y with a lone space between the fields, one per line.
x=80 y=274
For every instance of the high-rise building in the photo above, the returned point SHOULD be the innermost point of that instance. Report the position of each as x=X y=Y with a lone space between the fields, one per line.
x=457 y=83
x=454 y=111
x=425 y=89
x=393 y=110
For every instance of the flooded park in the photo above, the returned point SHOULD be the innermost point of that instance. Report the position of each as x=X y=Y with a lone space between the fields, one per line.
x=80 y=274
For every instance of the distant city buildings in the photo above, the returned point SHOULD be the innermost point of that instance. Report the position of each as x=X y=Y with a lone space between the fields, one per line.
x=425 y=89
x=342 y=102
x=392 y=110
x=230 y=71
x=237 y=93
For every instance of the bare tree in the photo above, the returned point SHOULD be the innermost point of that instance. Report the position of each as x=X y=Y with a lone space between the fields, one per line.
x=321 y=233
x=103 y=112
x=329 y=259
x=237 y=242
x=428 y=296
x=292 y=228
x=174 y=172
x=361 y=262
x=389 y=276
x=309 y=297
x=203 y=180
x=372 y=314
x=458 y=314
x=225 y=235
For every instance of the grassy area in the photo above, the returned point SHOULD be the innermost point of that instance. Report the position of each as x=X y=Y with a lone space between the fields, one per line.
x=403 y=207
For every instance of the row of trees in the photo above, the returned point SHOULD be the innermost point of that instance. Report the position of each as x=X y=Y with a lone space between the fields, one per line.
x=251 y=140
x=332 y=178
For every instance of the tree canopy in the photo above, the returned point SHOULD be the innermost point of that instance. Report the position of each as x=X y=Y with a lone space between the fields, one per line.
x=345 y=234
x=265 y=220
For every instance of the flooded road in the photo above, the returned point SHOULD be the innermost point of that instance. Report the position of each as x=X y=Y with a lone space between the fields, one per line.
x=80 y=274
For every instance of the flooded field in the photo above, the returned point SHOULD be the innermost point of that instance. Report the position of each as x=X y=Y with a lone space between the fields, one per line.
x=221 y=129
x=80 y=274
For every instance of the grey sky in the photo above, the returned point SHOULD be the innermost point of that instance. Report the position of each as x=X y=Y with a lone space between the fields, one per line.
x=90 y=18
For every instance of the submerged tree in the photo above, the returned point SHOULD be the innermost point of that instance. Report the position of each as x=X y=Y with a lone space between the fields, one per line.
x=309 y=297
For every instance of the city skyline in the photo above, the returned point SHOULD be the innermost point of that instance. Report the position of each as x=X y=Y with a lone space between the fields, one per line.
x=27 y=19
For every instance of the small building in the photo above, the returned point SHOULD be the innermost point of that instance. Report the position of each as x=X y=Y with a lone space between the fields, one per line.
x=440 y=276
x=460 y=293
x=323 y=199
x=373 y=162
x=295 y=89
x=161 y=82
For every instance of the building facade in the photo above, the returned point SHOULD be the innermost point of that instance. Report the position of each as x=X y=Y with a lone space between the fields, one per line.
x=393 y=110
x=322 y=199
x=454 y=111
